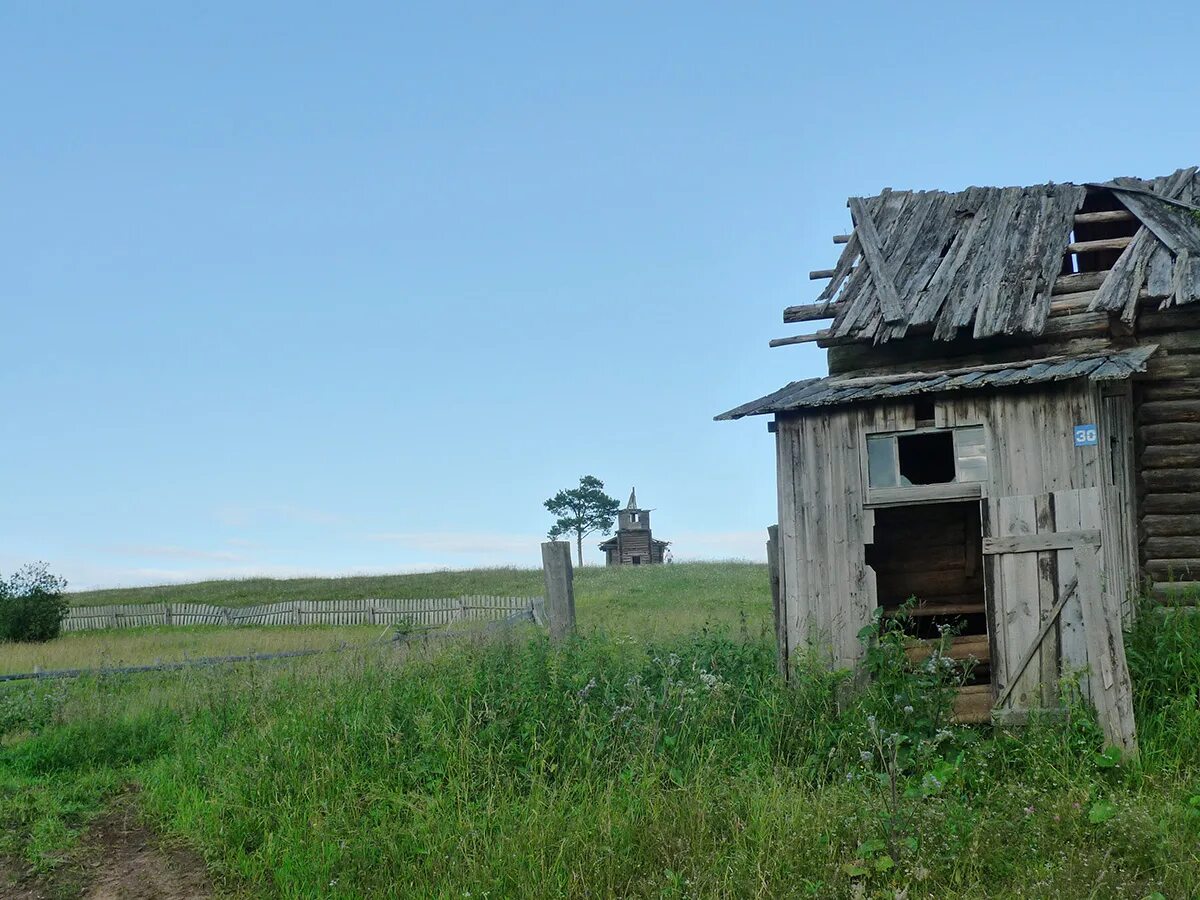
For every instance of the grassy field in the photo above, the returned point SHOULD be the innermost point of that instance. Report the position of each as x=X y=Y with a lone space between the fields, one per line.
x=655 y=756
x=145 y=646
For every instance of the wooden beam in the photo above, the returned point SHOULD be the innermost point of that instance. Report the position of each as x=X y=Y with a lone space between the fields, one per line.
x=811 y=312
x=1117 y=243
x=896 y=377
x=818 y=274
x=1036 y=543
x=841 y=238
x=1079 y=282
x=938 y=609
x=800 y=338
x=1092 y=218
x=882 y=276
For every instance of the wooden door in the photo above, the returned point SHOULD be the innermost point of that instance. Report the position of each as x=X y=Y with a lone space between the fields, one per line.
x=1049 y=610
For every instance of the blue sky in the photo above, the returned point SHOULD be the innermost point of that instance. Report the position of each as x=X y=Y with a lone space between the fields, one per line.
x=314 y=288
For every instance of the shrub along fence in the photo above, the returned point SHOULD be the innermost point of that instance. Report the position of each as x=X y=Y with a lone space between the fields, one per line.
x=415 y=613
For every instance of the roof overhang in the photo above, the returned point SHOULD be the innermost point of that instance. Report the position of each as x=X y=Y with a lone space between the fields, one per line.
x=815 y=393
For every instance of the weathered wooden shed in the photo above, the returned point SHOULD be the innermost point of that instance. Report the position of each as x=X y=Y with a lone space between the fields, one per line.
x=1009 y=432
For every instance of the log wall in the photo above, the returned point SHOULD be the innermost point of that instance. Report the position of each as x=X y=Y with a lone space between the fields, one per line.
x=1167 y=414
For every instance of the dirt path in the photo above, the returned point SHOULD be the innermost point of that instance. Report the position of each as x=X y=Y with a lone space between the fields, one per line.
x=121 y=860
x=131 y=863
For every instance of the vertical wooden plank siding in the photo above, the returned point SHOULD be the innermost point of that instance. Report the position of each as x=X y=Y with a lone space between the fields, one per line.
x=828 y=590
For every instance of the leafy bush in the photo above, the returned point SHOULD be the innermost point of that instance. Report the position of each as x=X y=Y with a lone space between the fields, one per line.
x=32 y=605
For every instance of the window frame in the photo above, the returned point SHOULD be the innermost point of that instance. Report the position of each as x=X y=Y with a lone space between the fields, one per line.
x=903 y=494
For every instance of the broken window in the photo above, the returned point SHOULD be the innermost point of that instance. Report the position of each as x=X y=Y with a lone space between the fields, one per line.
x=927 y=456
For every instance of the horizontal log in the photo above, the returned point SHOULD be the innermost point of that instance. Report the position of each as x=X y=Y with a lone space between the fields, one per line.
x=963 y=646
x=1151 y=319
x=1170 y=389
x=1113 y=215
x=1172 y=456
x=818 y=274
x=1173 y=365
x=1181 y=547
x=811 y=312
x=1169 y=481
x=1066 y=304
x=940 y=609
x=799 y=339
x=841 y=238
x=1169 y=433
x=1077 y=324
x=1117 y=243
x=1170 y=503
x=972 y=705
x=1171 y=526
x=1079 y=282
x=1167 y=570
x=1160 y=411
x=1186 y=340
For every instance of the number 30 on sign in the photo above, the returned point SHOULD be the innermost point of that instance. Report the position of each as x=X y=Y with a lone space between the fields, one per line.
x=1085 y=435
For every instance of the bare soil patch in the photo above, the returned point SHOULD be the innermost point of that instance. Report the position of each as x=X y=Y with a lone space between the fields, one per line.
x=121 y=859
x=130 y=862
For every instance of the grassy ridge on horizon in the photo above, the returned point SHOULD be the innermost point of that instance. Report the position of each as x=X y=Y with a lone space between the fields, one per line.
x=645 y=600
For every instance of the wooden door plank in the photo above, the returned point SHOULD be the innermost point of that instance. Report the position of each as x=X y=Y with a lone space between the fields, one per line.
x=1020 y=617
x=1048 y=606
x=1072 y=640
x=1042 y=541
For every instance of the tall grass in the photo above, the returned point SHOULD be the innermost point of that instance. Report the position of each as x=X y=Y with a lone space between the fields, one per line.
x=676 y=766
x=143 y=646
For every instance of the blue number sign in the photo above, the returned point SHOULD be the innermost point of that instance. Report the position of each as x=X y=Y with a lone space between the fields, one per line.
x=1085 y=436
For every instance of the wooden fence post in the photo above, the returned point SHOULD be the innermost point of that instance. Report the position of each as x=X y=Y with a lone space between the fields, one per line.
x=560 y=588
x=781 y=648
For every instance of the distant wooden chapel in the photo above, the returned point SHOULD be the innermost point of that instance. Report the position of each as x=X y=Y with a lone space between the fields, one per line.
x=633 y=544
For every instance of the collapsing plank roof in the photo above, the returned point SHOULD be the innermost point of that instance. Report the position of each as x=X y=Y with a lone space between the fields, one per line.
x=836 y=391
x=986 y=259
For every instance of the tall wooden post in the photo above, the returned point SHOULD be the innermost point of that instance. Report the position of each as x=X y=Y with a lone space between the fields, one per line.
x=781 y=648
x=560 y=588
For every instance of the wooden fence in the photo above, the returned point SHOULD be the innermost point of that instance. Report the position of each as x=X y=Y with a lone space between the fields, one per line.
x=414 y=613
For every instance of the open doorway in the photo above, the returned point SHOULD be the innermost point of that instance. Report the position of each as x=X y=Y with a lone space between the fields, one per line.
x=934 y=552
